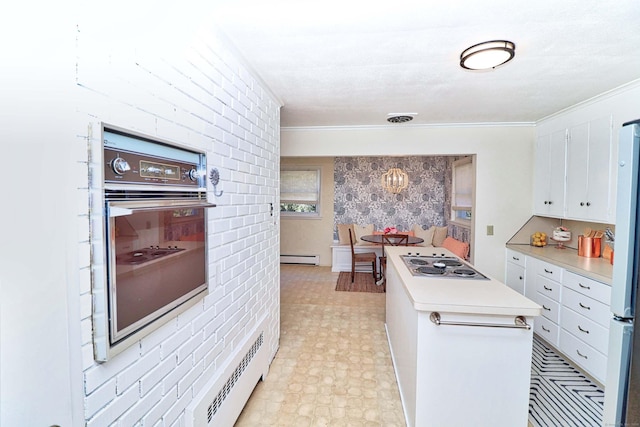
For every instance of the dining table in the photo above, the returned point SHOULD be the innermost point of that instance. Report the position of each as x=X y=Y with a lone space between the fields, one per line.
x=389 y=240
x=378 y=239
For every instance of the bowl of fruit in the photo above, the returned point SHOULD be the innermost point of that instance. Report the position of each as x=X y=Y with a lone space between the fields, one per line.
x=538 y=239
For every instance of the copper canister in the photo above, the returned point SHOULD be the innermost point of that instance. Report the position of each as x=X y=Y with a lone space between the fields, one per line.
x=589 y=247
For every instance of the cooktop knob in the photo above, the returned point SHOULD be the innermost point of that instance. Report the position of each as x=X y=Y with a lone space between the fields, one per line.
x=193 y=175
x=120 y=166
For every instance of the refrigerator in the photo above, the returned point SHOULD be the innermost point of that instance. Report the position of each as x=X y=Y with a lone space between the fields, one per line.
x=622 y=387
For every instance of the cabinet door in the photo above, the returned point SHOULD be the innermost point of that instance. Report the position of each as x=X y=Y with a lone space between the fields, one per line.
x=588 y=171
x=515 y=277
x=550 y=174
x=577 y=161
x=599 y=173
x=542 y=169
x=557 y=173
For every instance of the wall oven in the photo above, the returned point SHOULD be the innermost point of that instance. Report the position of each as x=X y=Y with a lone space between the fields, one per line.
x=155 y=224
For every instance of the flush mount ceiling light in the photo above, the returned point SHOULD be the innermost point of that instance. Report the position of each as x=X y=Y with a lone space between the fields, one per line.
x=487 y=55
x=395 y=180
x=400 y=117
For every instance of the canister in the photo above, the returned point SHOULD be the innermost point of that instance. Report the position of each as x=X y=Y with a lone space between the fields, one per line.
x=589 y=247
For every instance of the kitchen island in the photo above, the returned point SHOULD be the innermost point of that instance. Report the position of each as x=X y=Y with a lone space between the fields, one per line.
x=458 y=374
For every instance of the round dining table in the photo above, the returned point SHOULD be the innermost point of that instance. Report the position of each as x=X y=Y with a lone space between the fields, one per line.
x=377 y=238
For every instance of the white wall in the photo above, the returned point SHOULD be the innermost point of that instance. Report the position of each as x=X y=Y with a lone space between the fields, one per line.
x=153 y=68
x=504 y=169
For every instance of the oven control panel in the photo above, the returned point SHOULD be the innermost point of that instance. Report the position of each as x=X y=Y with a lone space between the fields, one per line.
x=124 y=167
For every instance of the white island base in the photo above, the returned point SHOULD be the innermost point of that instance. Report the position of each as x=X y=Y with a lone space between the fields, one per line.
x=451 y=375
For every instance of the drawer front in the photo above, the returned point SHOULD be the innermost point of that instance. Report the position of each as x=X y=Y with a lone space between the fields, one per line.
x=588 y=307
x=591 y=360
x=546 y=329
x=515 y=277
x=550 y=271
x=589 y=287
x=585 y=330
x=550 y=308
x=548 y=288
x=516 y=258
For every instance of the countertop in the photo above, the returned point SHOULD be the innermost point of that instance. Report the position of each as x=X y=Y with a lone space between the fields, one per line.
x=599 y=269
x=459 y=295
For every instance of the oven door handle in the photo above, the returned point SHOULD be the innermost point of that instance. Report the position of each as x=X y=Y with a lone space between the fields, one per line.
x=115 y=211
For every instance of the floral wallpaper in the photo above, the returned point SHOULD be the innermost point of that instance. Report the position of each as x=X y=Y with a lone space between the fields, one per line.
x=360 y=198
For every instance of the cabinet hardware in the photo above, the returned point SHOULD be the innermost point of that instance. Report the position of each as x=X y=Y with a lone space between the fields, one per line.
x=584 y=286
x=586 y=307
x=581 y=355
x=547 y=289
x=545 y=307
x=520 y=277
x=581 y=203
x=548 y=271
x=588 y=203
x=582 y=330
x=516 y=258
x=545 y=329
x=519 y=322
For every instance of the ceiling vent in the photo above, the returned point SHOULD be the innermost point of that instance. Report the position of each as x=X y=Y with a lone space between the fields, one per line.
x=400 y=118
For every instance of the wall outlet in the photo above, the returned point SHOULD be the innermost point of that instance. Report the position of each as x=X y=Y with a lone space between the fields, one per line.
x=489 y=230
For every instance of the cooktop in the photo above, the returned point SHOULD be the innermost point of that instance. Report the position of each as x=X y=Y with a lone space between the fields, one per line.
x=441 y=267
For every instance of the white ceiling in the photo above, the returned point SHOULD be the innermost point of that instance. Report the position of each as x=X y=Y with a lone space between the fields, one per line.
x=351 y=62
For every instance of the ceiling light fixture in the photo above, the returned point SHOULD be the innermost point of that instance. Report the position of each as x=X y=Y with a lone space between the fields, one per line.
x=395 y=180
x=487 y=55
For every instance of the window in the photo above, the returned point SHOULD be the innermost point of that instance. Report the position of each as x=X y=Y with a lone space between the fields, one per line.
x=300 y=192
x=462 y=188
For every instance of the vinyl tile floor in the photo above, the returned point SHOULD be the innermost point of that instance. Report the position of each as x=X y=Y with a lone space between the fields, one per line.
x=333 y=367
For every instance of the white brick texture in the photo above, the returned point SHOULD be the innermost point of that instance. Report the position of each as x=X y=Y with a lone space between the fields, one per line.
x=197 y=95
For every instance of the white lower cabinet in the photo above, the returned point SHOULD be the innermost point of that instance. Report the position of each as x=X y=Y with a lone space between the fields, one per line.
x=585 y=356
x=585 y=323
x=575 y=309
x=548 y=330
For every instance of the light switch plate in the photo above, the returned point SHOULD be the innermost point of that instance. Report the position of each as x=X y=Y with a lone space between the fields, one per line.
x=489 y=230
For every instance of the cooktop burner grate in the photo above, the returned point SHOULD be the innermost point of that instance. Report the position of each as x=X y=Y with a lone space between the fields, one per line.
x=416 y=261
x=464 y=272
x=431 y=270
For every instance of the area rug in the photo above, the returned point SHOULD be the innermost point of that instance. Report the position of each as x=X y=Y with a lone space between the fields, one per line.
x=560 y=394
x=363 y=282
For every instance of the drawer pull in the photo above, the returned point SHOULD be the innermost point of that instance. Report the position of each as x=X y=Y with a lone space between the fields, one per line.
x=545 y=307
x=548 y=271
x=582 y=330
x=545 y=329
x=547 y=289
x=515 y=258
x=586 y=307
x=520 y=277
x=581 y=355
x=584 y=286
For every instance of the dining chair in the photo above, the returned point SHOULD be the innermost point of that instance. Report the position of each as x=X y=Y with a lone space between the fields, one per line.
x=361 y=257
x=391 y=240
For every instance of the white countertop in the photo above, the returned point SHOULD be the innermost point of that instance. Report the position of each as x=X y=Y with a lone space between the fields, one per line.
x=459 y=295
x=599 y=269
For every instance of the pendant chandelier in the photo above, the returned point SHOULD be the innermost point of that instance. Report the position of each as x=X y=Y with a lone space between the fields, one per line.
x=395 y=180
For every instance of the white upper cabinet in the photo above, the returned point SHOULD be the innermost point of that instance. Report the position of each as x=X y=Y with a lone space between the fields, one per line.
x=550 y=174
x=589 y=171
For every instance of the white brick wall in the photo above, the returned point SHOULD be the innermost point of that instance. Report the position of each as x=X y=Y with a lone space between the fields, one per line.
x=196 y=95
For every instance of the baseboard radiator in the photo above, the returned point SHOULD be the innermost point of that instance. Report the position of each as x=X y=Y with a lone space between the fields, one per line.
x=300 y=259
x=222 y=399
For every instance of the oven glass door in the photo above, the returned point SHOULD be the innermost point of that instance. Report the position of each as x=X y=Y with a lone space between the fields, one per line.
x=156 y=261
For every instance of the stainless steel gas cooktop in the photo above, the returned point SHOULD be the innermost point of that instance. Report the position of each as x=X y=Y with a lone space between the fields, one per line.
x=441 y=267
